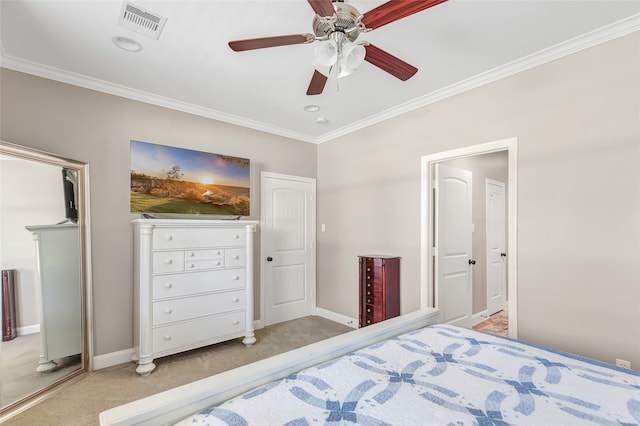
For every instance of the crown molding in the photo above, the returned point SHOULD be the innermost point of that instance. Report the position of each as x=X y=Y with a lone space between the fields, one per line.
x=593 y=38
x=74 y=79
x=577 y=44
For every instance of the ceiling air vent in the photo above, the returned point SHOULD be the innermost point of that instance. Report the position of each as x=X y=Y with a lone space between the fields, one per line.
x=141 y=21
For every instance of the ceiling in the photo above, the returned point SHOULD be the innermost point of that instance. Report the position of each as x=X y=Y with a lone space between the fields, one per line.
x=456 y=45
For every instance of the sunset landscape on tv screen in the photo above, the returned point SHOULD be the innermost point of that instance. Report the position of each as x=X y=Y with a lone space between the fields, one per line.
x=166 y=179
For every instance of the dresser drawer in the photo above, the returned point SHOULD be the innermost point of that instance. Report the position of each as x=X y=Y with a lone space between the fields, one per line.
x=175 y=336
x=211 y=254
x=173 y=238
x=168 y=261
x=165 y=286
x=168 y=311
x=199 y=265
x=234 y=257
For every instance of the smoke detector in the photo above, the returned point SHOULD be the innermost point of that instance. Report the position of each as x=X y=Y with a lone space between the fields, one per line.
x=141 y=20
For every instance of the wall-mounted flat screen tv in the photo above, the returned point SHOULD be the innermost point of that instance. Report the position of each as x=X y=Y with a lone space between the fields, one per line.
x=166 y=179
x=70 y=191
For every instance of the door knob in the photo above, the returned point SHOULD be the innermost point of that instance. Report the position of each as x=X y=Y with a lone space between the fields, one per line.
x=503 y=254
x=269 y=259
x=472 y=262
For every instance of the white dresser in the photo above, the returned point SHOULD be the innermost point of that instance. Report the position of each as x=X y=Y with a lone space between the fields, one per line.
x=58 y=275
x=193 y=285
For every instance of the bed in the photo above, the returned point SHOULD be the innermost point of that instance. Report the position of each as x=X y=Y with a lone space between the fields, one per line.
x=408 y=371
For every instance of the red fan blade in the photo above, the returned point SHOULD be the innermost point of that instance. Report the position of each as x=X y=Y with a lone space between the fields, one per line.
x=395 y=9
x=261 y=43
x=389 y=63
x=322 y=7
x=317 y=83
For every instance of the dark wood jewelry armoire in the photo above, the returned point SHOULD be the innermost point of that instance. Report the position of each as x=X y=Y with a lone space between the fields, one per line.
x=379 y=288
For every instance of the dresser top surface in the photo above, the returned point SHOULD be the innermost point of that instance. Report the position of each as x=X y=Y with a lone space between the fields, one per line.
x=186 y=223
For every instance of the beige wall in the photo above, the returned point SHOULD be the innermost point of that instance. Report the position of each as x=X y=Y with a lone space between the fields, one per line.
x=96 y=128
x=577 y=121
x=30 y=194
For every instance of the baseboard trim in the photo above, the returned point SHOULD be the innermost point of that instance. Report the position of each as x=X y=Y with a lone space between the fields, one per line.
x=29 y=329
x=342 y=319
x=122 y=357
x=479 y=317
x=257 y=324
x=111 y=359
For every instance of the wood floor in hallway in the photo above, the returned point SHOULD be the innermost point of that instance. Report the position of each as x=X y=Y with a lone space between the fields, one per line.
x=497 y=323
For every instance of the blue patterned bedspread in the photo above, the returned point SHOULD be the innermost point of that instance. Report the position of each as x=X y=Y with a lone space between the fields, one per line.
x=442 y=375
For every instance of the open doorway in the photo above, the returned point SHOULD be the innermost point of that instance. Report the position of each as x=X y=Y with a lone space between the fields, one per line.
x=481 y=159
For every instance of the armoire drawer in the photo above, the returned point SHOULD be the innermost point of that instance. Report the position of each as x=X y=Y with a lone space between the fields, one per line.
x=176 y=285
x=175 y=336
x=184 y=308
x=174 y=238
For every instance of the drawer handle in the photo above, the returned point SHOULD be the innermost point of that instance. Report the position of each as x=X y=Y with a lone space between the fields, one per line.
x=168 y=311
x=236 y=236
x=168 y=261
x=191 y=254
x=218 y=252
x=168 y=285
x=168 y=237
x=368 y=310
x=167 y=337
x=236 y=299
x=368 y=321
x=368 y=284
x=236 y=278
x=236 y=257
x=368 y=269
x=191 y=265
x=368 y=277
x=218 y=263
x=236 y=322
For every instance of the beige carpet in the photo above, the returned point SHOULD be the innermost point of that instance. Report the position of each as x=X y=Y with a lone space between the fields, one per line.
x=18 y=376
x=80 y=403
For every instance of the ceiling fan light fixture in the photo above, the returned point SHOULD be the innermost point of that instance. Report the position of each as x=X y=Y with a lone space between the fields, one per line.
x=352 y=57
x=325 y=54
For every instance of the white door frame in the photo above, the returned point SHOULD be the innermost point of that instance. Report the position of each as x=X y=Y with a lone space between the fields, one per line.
x=262 y=323
x=427 y=296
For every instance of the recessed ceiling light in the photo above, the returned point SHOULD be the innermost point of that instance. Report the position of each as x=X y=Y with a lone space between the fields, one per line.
x=322 y=120
x=311 y=108
x=126 y=43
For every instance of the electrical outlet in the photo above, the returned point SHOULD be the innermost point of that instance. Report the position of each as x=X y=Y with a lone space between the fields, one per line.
x=623 y=363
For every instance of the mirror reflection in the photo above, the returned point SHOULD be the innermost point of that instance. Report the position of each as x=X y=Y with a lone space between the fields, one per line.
x=41 y=258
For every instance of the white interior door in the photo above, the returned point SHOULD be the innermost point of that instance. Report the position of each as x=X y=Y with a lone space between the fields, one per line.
x=453 y=243
x=496 y=247
x=288 y=247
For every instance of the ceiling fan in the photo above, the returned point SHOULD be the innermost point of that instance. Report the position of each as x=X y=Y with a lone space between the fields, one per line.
x=337 y=26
